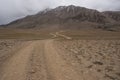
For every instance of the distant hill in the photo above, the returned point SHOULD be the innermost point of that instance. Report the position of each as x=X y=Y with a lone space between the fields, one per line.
x=115 y=15
x=69 y=17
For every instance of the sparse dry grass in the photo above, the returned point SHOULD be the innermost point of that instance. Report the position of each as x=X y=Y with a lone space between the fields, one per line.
x=23 y=34
x=93 y=53
x=92 y=34
x=94 y=59
x=6 y=46
x=45 y=34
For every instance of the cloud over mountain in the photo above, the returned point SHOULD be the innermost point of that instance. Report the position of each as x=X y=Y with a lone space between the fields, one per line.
x=15 y=9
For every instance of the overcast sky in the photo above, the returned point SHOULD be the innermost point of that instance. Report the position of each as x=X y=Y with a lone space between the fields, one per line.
x=14 y=9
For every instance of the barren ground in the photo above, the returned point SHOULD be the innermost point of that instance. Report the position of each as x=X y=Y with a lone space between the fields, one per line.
x=60 y=58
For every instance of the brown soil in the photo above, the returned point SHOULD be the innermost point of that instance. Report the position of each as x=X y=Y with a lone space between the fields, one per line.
x=59 y=59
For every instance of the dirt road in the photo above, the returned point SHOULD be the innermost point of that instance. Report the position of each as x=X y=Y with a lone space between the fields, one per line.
x=59 y=34
x=37 y=60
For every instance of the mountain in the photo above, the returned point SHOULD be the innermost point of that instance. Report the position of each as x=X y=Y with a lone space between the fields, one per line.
x=68 y=17
x=115 y=15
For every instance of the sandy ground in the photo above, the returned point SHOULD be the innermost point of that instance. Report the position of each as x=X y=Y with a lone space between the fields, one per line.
x=54 y=59
x=37 y=60
x=94 y=59
x=6 y=48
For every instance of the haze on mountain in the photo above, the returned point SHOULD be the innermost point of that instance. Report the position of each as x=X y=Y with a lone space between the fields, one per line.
x=70 y=17
x=16 y=9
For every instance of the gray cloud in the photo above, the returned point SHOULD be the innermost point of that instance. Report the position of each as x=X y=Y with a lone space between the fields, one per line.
x=14 y=9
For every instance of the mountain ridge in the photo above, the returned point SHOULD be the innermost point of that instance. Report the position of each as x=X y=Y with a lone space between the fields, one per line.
x=67 y=17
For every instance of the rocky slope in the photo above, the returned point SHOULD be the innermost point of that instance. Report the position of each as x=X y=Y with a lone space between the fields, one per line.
x=115 y=15
x=67 y=17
